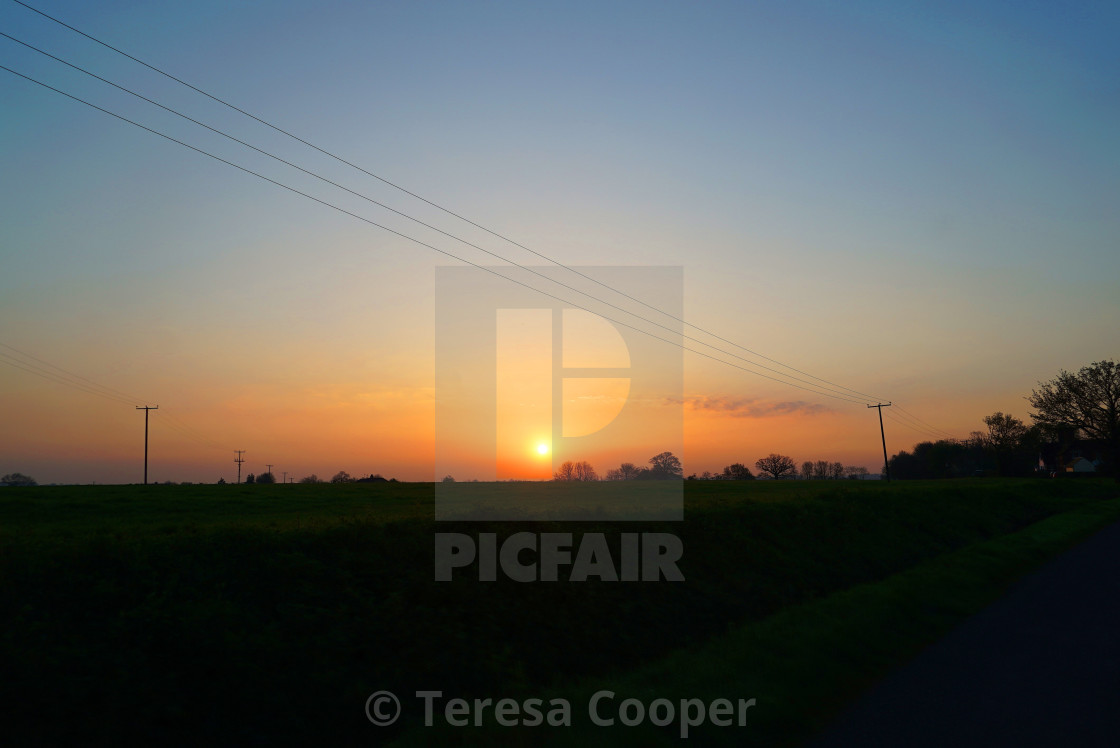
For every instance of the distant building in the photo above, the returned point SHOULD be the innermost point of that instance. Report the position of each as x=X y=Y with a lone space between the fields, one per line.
x=1076 y=456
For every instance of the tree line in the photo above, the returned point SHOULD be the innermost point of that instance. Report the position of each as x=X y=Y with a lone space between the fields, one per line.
x=1073 y=409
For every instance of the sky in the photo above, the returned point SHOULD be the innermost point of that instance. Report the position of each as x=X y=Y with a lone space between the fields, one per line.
x=917 y=203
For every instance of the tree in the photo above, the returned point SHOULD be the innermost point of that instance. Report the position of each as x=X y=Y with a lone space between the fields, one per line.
x=342 y=477
x=628 y=471
x=221 y=481
x=17 y=479
x=311 y=479
x=855 y=472
x=575 y=471
x=665 y=466
x=585 y=472
x=836 y=471
x=250 y=478
x=266 y=478
x=738 y=471
x=1005 y=431
x=821 y=469
x=776 y=465
x=1087 y=402
x=807 y=470
x=448 y=479
x=1009 y=445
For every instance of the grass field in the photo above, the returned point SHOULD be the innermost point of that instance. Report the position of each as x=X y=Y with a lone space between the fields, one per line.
x=267 y=614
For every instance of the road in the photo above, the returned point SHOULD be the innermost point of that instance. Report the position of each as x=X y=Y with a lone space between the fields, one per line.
x=1039 y=667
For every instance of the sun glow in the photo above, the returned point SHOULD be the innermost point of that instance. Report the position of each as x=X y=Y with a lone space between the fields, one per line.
x=542 y=449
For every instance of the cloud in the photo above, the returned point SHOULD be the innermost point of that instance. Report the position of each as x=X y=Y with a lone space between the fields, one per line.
x=747 y=407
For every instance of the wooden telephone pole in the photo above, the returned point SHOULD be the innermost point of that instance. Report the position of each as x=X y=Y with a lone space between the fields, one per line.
x=146 y=408
x=239 y=460
x=886 y=463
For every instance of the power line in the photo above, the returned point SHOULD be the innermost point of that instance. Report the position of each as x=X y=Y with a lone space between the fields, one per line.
x=430 y=246
x=58 y=375
x=923 y=432
x=909 y=416
x=919 y=420
x=437 y=206
x=440 y=231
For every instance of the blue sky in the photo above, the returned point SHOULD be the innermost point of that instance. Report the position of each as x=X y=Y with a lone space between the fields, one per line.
x=910 y=200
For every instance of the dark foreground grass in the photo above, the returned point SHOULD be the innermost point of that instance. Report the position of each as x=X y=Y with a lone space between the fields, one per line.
x=252 y=616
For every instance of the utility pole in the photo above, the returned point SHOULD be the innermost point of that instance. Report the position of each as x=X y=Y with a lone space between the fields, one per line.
x=239 y=460
x=269 y=469
x=886 y=463
x=146 y=408
x=285 y=476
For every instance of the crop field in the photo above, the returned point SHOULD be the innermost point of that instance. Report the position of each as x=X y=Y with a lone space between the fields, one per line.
x=267 y=614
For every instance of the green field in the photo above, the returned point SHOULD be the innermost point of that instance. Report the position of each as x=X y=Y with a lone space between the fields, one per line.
x=266 y=614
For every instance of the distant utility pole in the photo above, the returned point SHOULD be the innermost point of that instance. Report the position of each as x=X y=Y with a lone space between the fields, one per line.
x=886 y=463
x=285 y=476
x=269 y=469
x=239 y=460
x=146 y=408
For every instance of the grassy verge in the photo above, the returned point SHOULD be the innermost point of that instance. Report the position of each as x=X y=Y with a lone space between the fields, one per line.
x=805 y=663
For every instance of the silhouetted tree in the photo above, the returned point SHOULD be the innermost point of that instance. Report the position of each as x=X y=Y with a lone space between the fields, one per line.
x=946 y=458
x=447 y=479
x=342 y=477
x=17 y=479
x=665 y=466
x=836 y=471
x=221 y=481
x=311 y=479
x=266 y=478
x=855 y=472
x=807 y=470
x=628 y=471
x=585 y=472
x=250 y=478
x=738 y=471
x=1087 y=402
x=776 y=465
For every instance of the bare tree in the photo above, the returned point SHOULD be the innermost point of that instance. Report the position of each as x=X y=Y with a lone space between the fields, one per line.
x=585 y=472
x=821 y=469
x=807 y=470
x=776 y=465
x=836 y=471
x=855 y=472
x=575 y=471
x=342 y=477
x=311 y=479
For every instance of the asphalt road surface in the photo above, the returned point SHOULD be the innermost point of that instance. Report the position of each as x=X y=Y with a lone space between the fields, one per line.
x=1039 y=667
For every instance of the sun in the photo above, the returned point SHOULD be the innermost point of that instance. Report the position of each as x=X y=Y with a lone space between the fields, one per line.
x=542 y=449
